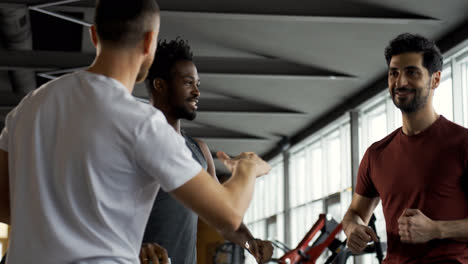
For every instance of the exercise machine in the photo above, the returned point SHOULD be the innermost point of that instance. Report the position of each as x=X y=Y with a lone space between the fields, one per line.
x=308 y=251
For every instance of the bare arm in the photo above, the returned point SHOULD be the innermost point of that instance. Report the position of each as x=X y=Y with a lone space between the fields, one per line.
x=360 y=211
x=223 y=206
x=457 y=230
x=262 y=250
x=209 y=159
x=4 y=189
x=355 y=222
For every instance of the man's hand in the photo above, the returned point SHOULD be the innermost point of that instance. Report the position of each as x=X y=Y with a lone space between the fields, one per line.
x=261 y=166
x=414 y=227
x=153 y=253
x=359 y=236
x=261 y=250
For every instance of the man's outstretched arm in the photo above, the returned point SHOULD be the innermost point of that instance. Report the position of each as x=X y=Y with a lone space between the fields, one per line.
x=223 y=206
x=262 y=250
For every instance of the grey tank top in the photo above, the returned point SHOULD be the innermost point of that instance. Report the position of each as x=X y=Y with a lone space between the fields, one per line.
x=173 y=226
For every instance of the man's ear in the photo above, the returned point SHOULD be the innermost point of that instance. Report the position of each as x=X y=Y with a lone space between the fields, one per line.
x=435 y=79
x=149 y=42
x=159 y=85
x=93 y=35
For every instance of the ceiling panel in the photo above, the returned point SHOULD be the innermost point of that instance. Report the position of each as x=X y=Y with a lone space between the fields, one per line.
x=269 y=70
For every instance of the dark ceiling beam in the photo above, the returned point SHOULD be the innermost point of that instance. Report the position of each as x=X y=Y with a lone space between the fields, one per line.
x=53 y=60
x=4 y=110
x=268 y=66
x=236 y=105
x=200 y=129
x=43 y=60
x=9 y=100
x=447 y=42
x=215 y=134
x=251 y=114
x=299 y=18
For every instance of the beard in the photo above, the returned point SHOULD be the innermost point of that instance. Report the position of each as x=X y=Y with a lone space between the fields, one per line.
x=181 y=110
x=414 y=104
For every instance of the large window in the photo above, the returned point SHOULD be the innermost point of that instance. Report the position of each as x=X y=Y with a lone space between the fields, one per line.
x=377 y=119
x=443 y=95
x=320 y=178
x=265 y=216
x=464 y=87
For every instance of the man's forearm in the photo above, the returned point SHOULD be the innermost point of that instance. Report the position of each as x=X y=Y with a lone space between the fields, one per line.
x=240 y=186
x=352 y=218
x=456 y=230
x=240 y=236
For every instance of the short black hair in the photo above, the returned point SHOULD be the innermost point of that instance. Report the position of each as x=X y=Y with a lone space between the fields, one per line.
x=124 y=22
x=406 y=42
x=167 y=54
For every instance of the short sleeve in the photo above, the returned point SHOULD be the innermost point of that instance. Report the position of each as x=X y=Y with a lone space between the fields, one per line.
x=4 y=135
x=161 y=153
x=365 y=186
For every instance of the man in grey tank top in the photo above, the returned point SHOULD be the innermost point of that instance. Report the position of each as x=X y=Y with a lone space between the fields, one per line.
x=173 y=87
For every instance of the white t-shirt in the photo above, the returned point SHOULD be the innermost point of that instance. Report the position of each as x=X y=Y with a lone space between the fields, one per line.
x=86 y=161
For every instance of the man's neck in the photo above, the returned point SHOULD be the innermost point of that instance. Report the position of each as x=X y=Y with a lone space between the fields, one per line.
x=174 y=122
x=121 y=66
x=415 y=123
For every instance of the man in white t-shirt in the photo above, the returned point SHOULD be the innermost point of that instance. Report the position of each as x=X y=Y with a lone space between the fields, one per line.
x=81 y=160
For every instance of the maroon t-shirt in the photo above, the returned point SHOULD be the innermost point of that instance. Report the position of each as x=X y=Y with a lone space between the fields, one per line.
x=422 y=172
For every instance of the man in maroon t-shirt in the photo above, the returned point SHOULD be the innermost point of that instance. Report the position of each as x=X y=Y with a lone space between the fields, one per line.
x=417 y=170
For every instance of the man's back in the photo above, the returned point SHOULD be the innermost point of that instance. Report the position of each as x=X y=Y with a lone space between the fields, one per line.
x=80 y=153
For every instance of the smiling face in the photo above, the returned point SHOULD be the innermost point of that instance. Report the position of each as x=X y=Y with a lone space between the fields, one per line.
x=409 y=82
x=183 y=92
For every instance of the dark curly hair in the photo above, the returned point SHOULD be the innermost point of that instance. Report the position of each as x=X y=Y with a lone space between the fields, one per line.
x=406 y=42
x=167 y=54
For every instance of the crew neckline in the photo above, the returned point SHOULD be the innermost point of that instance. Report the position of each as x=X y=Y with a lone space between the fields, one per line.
x=426 y=131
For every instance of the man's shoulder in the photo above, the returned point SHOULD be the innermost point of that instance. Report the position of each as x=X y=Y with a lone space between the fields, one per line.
x=200 y=142
x=454 y=127
x=453 y=133
x=383 y=143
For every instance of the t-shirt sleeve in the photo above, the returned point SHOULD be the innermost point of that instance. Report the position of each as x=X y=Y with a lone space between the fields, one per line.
x=161 y=153
x=365 y=186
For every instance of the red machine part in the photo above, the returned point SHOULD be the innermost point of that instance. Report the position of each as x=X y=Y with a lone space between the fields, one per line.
x=310 y=255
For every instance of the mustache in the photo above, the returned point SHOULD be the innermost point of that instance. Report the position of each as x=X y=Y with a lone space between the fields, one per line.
x=193 y=98
x=403 y=89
